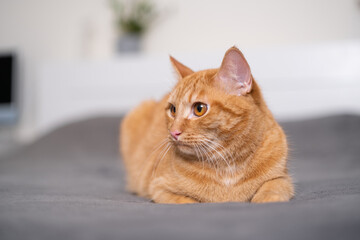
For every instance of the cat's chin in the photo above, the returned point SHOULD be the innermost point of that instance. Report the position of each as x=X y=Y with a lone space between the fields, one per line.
x=185 y=149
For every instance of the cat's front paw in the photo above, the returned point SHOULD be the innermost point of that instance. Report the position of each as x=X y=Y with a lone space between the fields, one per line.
x=269 y=197
x=170 y=198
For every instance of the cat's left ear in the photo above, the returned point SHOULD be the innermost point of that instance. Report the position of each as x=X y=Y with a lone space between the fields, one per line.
x=180 y=68
x=234 y=75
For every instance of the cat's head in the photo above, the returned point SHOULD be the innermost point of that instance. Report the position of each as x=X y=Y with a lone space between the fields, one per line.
x=208 y=109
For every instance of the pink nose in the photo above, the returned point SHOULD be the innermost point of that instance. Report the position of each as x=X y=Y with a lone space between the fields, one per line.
x=175 y=134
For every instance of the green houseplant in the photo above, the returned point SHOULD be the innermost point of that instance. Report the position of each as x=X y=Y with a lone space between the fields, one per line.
x=132 y=19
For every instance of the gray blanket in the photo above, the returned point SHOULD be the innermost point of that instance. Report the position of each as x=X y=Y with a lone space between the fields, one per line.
x=69 y=185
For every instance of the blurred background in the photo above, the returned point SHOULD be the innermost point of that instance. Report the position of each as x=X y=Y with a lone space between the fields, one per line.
x=67 y=60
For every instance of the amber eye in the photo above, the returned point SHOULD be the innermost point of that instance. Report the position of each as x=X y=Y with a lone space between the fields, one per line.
x=172 y=110
x=200 y=109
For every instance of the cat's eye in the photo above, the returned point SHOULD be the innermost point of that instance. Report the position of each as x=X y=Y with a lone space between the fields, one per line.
x=200 y=109
x=172 y=110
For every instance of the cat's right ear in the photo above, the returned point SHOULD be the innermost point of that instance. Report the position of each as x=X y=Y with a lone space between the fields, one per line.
x=180 y=68
x=234 y=75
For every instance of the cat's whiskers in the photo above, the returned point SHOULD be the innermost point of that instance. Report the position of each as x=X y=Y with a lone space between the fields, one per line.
x=217 y=152
x=159 y=146
x=227 y=152
x=208 y=144
x=199 y=155
x=209 y=158
x=163 y=154
x=222 y=147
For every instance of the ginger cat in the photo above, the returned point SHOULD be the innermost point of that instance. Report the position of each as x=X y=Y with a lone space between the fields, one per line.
x=212 y=139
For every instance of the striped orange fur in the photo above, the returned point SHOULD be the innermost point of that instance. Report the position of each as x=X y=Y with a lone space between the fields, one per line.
x=211 y=139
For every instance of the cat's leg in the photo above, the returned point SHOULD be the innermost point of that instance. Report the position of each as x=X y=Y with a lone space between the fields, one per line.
x=161 y=192
x=276 y=190
x=169 y=197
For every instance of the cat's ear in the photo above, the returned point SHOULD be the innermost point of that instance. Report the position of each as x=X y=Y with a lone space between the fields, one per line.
x=234 y=75
x=180 y=68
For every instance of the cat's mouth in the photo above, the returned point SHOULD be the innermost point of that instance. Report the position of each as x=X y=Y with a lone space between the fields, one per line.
x=184 y=147
x=179 y=143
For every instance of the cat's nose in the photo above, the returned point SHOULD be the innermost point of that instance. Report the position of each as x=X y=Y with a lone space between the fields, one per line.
x=175 y=134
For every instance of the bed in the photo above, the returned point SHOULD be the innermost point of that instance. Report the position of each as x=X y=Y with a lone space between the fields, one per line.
x=69 y=184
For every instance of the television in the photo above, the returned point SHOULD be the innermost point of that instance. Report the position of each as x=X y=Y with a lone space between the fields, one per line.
x=8 y=106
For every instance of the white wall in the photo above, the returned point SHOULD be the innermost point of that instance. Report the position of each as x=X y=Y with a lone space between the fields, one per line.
x=43 y=30
x=322 y=79
x=204 y=25
x=51 y=30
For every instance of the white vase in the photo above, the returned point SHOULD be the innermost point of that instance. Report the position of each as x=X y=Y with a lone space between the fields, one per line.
x=129 y=43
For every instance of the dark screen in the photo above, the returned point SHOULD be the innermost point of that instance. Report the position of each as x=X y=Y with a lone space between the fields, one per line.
x=6 y=74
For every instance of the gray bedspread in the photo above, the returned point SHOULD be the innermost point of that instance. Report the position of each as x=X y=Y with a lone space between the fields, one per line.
x=69 y=185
